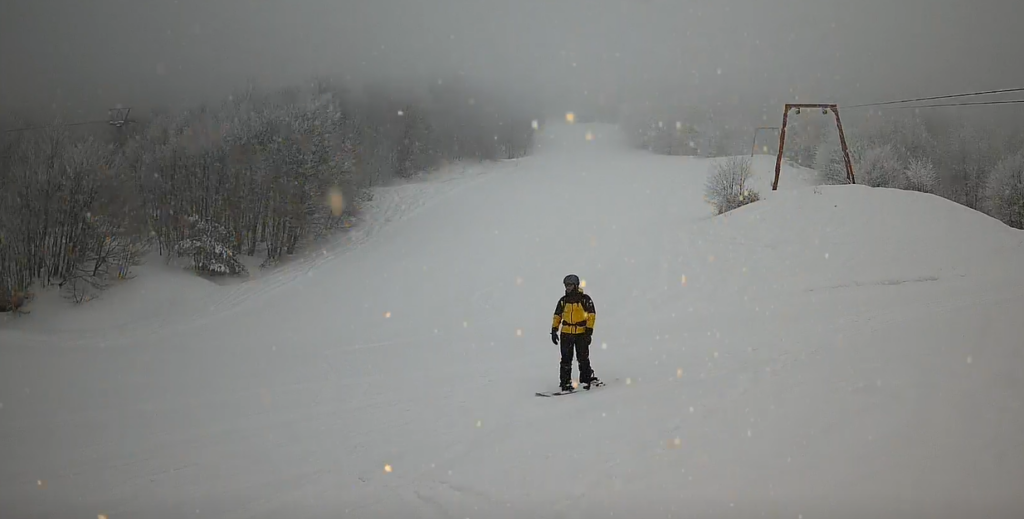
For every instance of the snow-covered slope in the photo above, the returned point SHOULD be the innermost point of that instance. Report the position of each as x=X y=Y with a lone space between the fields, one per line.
x=827 y=352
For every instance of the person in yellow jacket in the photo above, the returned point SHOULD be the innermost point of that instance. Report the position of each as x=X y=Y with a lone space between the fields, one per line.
x=574 y=318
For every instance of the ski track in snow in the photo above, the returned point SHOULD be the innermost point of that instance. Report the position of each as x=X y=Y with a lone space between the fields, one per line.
x=835 y=352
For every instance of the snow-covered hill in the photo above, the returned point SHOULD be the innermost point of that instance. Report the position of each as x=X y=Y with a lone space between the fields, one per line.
x=834 y=351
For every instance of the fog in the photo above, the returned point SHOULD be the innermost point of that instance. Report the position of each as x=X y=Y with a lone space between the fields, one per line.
x=79 y=58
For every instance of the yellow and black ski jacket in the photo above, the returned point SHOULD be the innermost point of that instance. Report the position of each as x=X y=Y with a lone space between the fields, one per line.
x=575 y=313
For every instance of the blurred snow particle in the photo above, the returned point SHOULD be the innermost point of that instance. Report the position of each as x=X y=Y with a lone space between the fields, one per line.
x=479 y=423
x=826 y=255
x=570 y=117
x=684 y=280
x=336 y=200
x=691 y=408
x=519 y=332
x=629 y=381
x=679 y=373
x=387 y=468
x=401 y=113
x=534 y=124
x=387 y=315
x=604 y=345
x=969 y=360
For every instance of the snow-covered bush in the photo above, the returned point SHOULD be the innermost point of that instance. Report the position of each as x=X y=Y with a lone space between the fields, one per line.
x=1004 y=194
x=727 y=188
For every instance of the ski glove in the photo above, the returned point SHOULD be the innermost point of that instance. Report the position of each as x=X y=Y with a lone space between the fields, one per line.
x=554 y=336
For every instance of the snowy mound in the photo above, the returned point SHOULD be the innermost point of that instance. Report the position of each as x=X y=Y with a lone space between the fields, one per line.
x=837 y=236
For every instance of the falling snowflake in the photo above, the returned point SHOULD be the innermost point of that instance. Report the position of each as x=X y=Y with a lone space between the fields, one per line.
x=387 y=315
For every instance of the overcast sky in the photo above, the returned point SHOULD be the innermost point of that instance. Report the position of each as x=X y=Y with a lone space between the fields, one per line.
x=86 y=55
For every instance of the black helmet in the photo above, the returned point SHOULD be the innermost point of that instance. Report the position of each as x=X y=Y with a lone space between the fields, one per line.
x=571 y=279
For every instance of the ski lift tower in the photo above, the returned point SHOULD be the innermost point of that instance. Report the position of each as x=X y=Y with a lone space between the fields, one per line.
x=118 y=117
x=825 y=108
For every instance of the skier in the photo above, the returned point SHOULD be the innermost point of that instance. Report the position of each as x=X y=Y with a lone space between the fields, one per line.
x=575 y=313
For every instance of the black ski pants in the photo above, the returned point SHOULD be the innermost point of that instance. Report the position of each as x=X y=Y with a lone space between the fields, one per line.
x=575 y=342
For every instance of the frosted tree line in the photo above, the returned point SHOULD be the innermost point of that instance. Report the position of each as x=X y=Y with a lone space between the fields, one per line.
x=977 y=165
x=260 y=173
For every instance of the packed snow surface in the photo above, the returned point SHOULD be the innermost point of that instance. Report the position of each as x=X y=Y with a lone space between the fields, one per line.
x=827 y=352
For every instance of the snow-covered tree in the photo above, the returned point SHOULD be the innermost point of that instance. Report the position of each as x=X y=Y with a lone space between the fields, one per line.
x=919 y=175
x=206 y=244
x=880 y=166
x=1004 y=194
x=830 y=163
x=967 y=158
